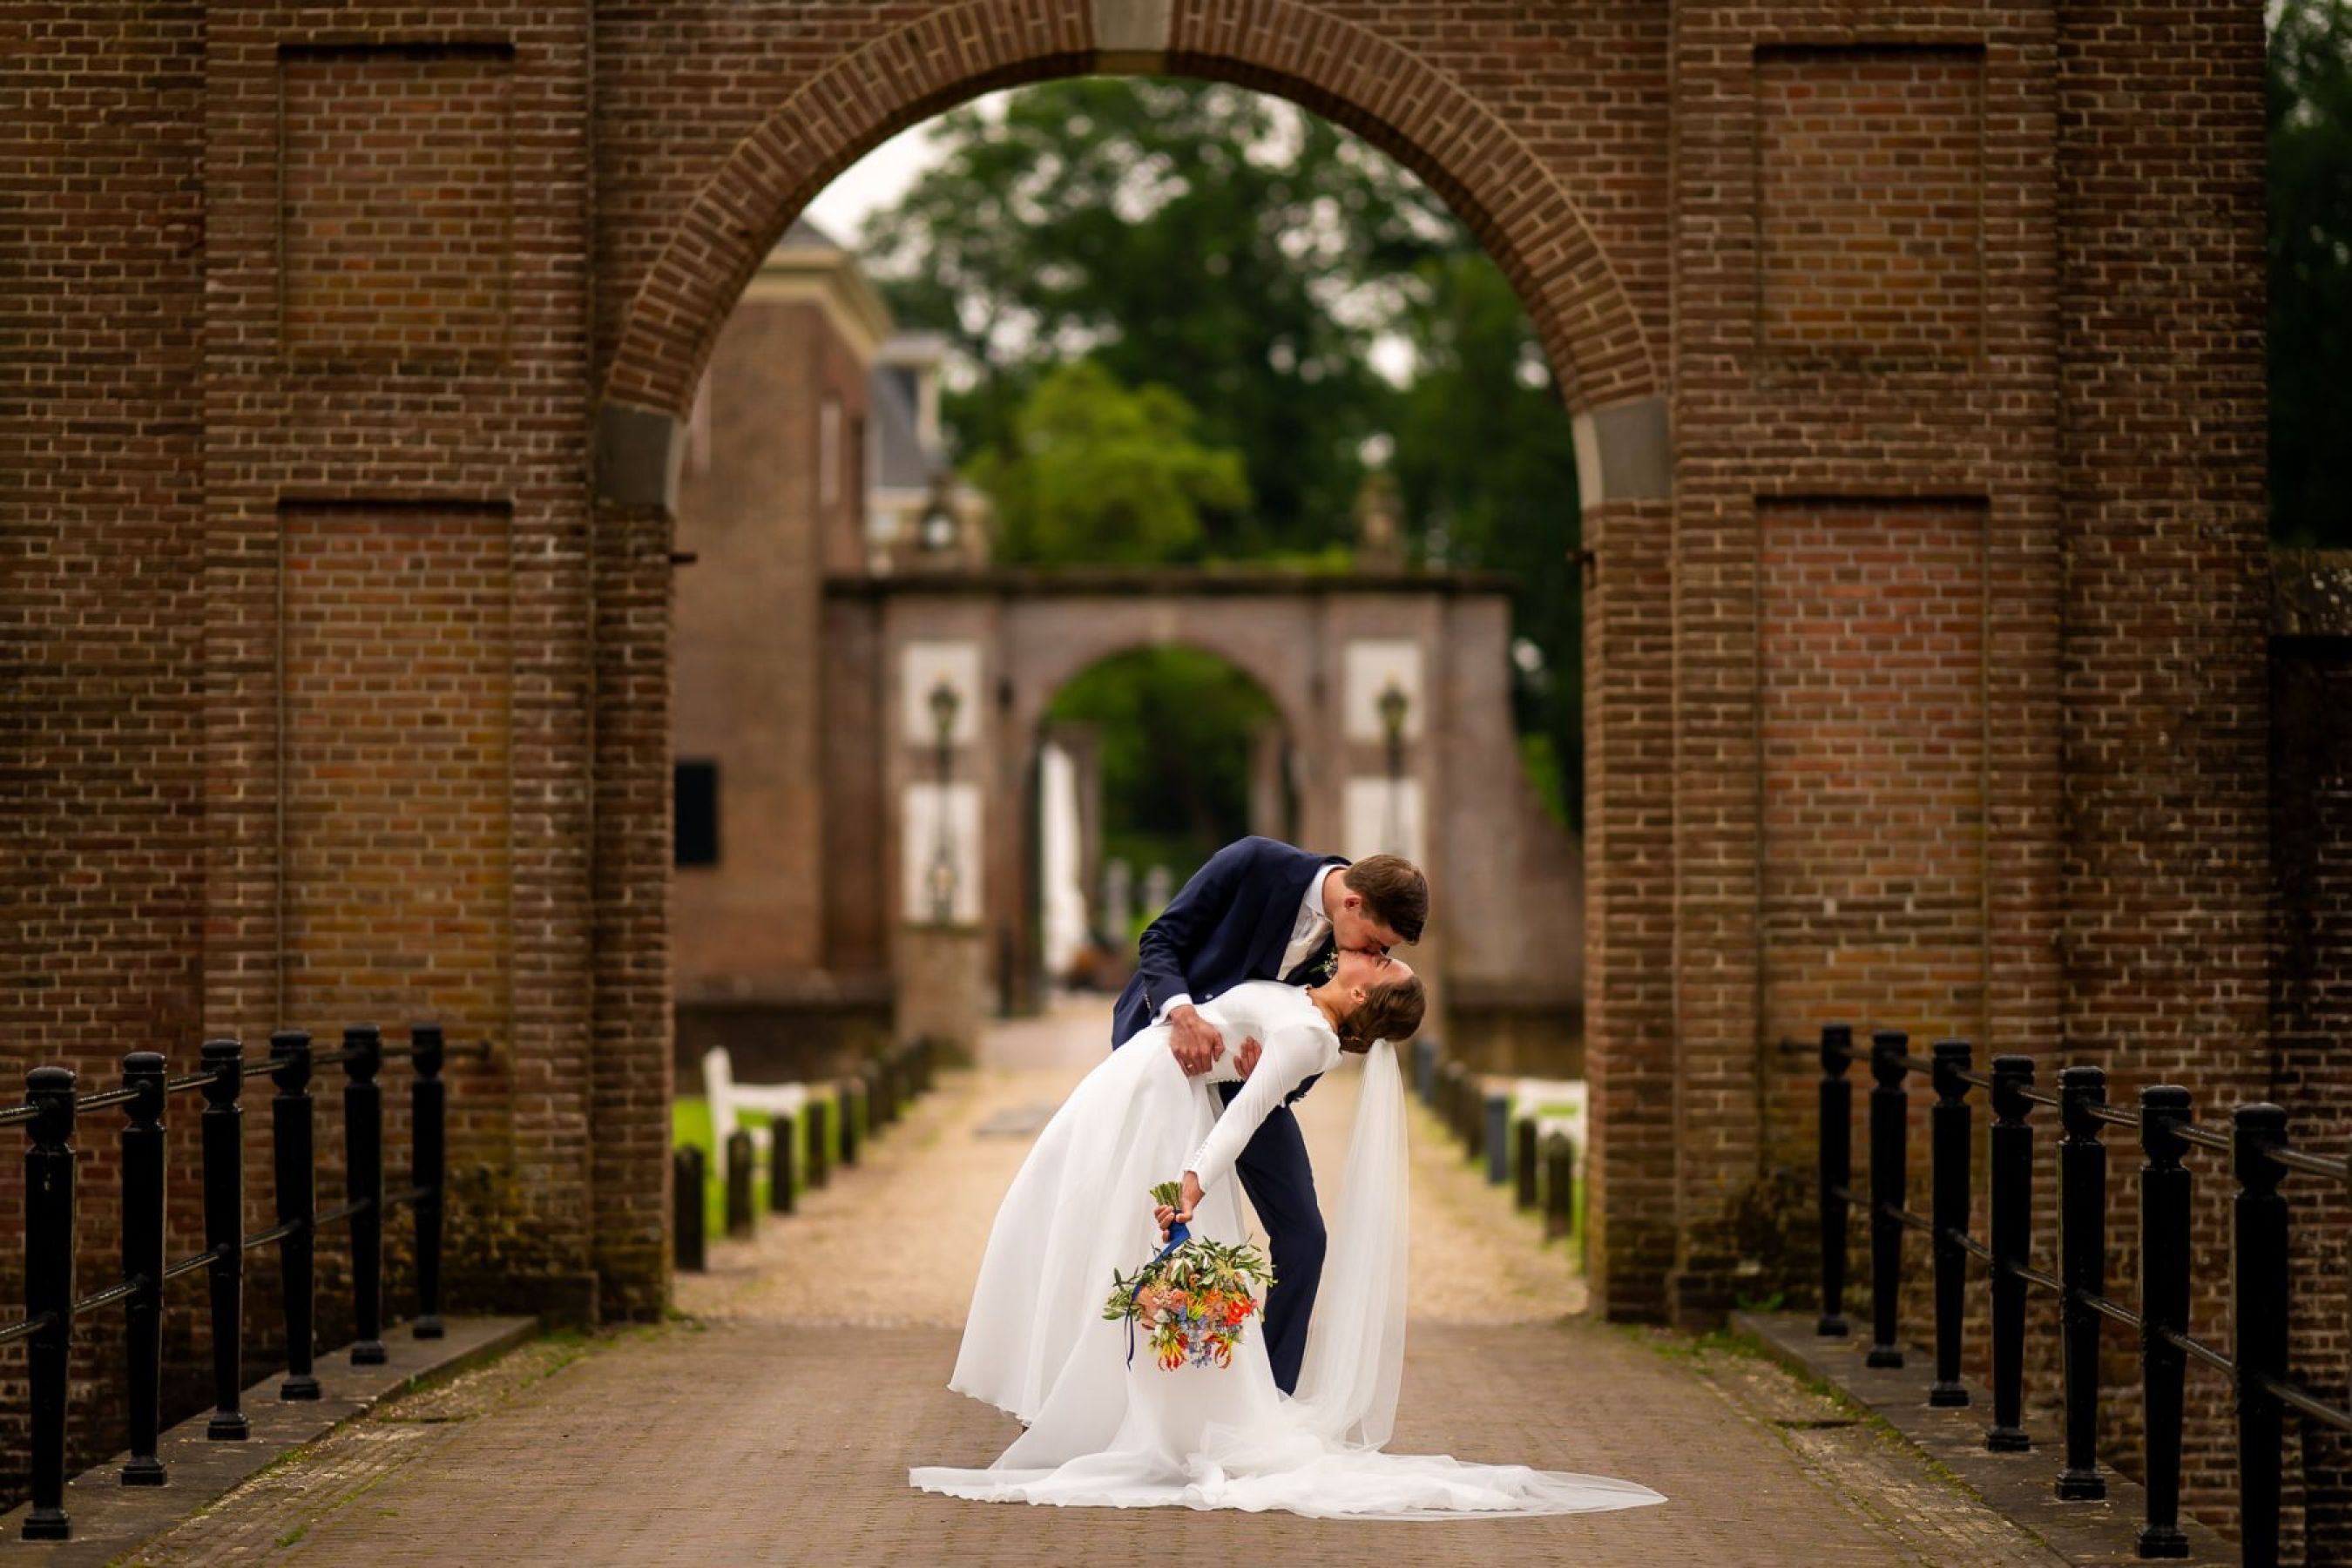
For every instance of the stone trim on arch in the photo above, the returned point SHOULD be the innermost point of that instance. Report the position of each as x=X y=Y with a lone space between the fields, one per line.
x=1344 y=72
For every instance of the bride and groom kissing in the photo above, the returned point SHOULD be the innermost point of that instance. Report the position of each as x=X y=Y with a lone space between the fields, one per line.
x=1268 y=969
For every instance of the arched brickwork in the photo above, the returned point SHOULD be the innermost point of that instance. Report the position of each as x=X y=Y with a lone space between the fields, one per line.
x=1420 y=88
x=1508 y=197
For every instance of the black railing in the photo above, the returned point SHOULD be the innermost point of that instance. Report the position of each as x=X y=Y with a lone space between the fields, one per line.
x=2260 y=1159
x=50 y=1111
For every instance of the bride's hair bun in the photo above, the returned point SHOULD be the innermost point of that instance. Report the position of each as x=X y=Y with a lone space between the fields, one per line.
x=1391 y=1012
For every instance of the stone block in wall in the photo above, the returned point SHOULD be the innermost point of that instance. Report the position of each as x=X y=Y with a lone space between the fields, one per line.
x=943 y=993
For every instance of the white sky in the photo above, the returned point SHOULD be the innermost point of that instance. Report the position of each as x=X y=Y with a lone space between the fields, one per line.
x=876 y=180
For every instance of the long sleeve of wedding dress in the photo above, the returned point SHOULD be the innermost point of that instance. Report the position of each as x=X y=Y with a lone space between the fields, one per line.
x=1295 y=1053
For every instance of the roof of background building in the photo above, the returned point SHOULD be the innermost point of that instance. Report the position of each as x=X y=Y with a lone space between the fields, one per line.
x=903 y=460
x=805 y=235
x=901 y=457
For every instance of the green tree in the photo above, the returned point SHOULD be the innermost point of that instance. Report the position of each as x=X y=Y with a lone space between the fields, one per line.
x=1096 y=472
x=1247 y=256
x=1488 y=466
x=2310 y=116
x=1200 y=237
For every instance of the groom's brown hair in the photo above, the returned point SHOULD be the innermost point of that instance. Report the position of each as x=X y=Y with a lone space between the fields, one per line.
x=1395 y=892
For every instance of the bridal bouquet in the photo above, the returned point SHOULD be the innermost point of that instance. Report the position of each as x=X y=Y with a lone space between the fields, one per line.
x=1192 y=1300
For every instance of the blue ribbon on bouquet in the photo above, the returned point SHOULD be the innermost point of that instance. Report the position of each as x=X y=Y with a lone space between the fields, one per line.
x=1177 y=1237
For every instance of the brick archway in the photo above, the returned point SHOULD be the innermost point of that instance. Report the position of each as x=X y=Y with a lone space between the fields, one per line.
x=681 y=281
x=1508 y=196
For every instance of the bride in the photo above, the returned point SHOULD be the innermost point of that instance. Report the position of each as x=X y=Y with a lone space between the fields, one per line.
x=1107 y=1428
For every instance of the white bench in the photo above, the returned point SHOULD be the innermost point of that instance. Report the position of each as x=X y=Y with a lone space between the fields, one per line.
x=729 y=1099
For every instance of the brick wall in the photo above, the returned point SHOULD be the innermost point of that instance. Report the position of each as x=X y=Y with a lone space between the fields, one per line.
x=101 y=569
x=2166 y=851
x=2311 y=1000
x=396 y=202
x=1871 y=629
x=1762 y=212
x=750 y=650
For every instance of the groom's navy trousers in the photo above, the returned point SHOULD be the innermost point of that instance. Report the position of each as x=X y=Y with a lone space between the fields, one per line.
x=1231 y=923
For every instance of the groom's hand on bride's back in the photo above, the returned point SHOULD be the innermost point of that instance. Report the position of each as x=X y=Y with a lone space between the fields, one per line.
x=1194 y=1041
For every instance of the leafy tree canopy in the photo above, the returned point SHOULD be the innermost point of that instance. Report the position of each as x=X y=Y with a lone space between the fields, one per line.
x=1198 y=237
x=1094 y=471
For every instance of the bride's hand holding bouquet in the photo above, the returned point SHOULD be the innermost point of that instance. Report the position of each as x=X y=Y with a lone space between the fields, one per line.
x=1193 y=1299
x=1175 y=1206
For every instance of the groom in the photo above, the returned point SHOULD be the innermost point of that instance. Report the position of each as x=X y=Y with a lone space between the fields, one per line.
x=1261 y=909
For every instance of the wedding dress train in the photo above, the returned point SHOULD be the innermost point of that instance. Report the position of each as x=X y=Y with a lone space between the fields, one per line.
x=1109 y=1429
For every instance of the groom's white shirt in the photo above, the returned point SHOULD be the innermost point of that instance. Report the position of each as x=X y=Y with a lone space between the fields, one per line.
x=1307 y=931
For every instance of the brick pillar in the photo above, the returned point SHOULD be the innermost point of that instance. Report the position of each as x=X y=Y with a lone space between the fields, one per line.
x=1628 y=931
x=629 y=969
x=2160 y=210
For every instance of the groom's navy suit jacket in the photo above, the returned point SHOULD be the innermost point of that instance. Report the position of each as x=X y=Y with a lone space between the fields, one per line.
x=1228 y=924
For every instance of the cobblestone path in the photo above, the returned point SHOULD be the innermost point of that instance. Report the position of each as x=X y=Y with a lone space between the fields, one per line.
x=775 y=1421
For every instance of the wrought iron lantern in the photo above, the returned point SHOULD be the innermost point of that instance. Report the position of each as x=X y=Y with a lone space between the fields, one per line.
x=945 y=700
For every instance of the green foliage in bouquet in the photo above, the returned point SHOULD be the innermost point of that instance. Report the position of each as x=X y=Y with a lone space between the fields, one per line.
x=1194 y=1303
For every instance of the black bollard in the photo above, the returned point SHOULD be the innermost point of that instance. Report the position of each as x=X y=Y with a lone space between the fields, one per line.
x=685 y=1208
x=1559 y=1177
x=1948 y=1164
x=222 y=1129
x=1523 y=1151
x=738 y=1184
x=428 y=1170
x=143 y=1262
x=1425 y=1069
x=1890 y=1122
x=293 y=1150
x=50 y=1292
x=1495 y=1131
x=852 y=1120
x=1837 y=1174
x=779 y=1164
x=2163 y=1304
x=363 y=1187
x=2257 y=1317
x=2083 y=1266
x=819 y=1138
x=2011 y=1202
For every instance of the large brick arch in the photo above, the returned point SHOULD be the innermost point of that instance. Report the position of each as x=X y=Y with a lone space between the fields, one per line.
x=1392 y=98
x=1419 y=88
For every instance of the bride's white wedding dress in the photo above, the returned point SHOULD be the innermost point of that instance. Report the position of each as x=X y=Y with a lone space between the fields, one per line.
x=1108 y=1430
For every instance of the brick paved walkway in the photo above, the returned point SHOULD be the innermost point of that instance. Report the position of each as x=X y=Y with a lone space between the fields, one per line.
x=777 y=1424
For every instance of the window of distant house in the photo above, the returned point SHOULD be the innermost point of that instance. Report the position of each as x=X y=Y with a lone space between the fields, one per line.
x=828 y=452
x=696 y=826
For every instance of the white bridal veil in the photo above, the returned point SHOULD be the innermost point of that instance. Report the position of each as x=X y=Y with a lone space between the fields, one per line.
x=1355 y=1342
